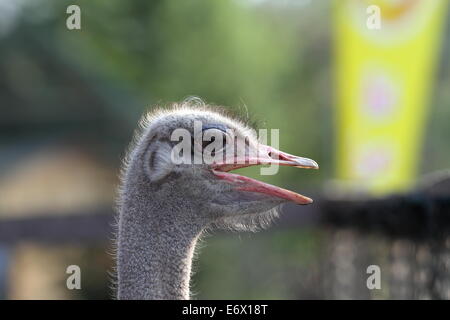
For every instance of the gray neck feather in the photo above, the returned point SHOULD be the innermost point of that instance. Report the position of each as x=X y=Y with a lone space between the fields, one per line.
x=155 y=245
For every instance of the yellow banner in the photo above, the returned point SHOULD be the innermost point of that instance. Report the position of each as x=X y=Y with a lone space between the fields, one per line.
x=385 y=53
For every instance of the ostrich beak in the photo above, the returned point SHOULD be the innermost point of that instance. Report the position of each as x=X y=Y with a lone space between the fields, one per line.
x=266 y=155
x=273 y=156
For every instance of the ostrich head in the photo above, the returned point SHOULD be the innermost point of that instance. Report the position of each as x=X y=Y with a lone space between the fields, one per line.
x=177 y=182
x=199 y=176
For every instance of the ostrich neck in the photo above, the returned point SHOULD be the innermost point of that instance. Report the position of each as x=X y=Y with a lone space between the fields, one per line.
x=155 y=250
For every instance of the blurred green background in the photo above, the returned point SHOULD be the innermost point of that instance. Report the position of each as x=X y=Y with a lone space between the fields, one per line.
x=70 y=100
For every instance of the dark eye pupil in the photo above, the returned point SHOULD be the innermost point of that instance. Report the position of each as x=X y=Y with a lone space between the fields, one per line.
x=207 y=143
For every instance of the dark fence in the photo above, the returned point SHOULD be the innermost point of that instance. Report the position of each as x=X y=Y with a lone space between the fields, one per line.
x=414 y=231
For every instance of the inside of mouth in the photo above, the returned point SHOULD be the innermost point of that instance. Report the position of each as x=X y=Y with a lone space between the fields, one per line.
x=260 y=186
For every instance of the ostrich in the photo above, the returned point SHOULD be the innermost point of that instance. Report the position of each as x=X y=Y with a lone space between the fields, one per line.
x=164 y=207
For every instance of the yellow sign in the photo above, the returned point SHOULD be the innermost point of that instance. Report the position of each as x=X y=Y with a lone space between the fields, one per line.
x=383 y=77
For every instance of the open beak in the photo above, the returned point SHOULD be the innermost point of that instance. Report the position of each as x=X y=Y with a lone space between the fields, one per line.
x=266 y=155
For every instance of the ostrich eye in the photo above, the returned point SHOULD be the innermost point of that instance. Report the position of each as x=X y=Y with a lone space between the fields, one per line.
x=207 y=143
x=213 y=132
x=213 y=139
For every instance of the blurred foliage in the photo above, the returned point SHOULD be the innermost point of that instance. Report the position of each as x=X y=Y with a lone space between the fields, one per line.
x=129 y=56
x=271 y=61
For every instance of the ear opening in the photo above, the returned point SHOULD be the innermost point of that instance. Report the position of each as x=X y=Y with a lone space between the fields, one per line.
x=158 y=162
